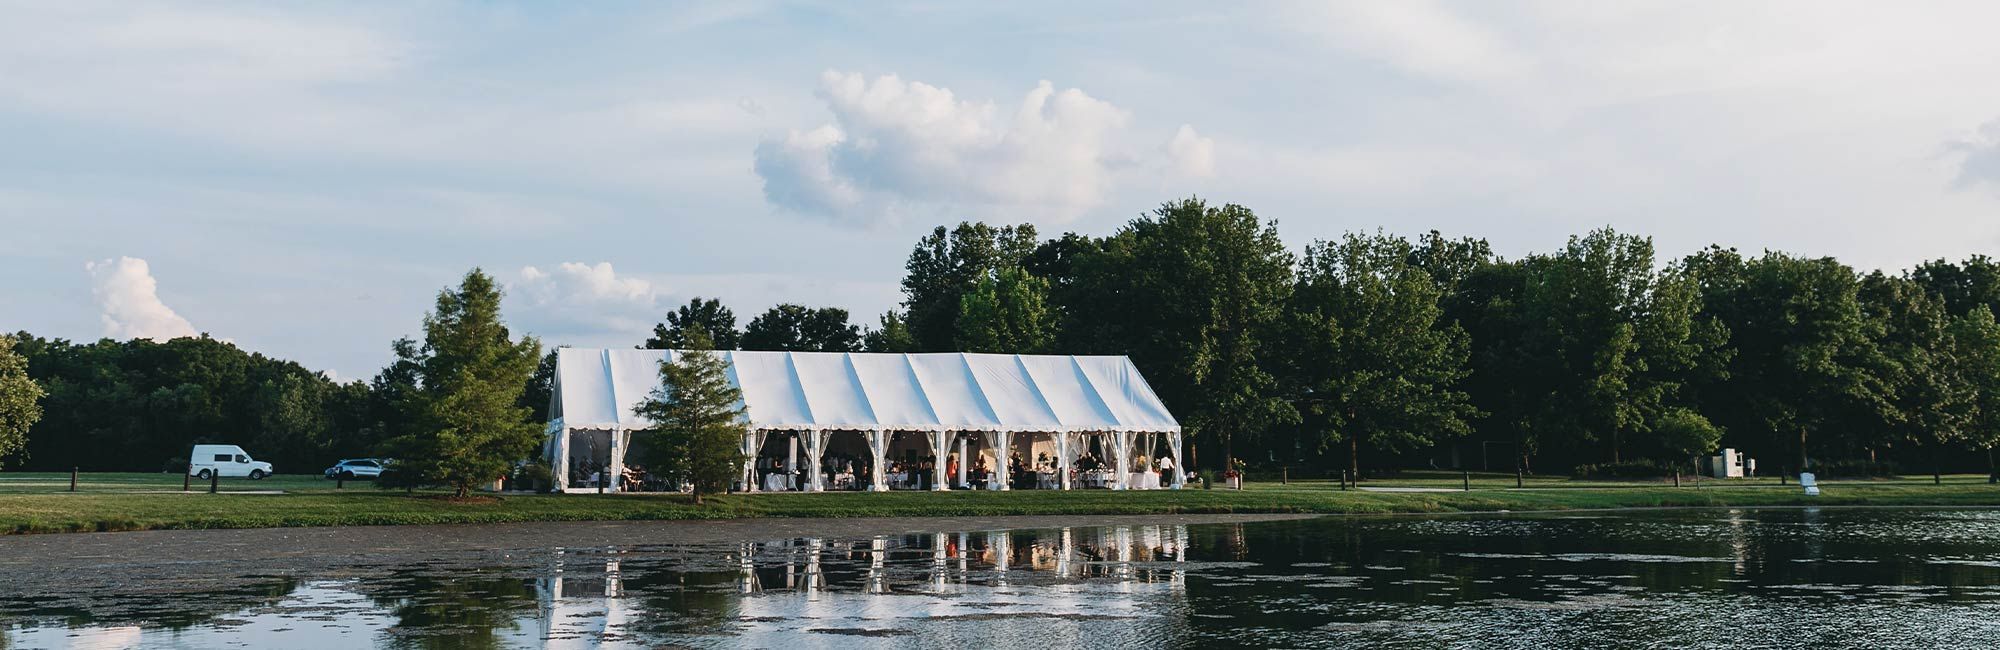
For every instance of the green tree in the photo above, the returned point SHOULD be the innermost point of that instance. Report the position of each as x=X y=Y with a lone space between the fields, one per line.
x=1684 y=434
x=947 y=264
x=1371 y=360
x=699 y=421
x=892 y=336
x=1963 y=285
x=1802 y=350
x=797 y=328
x=541 y=387
x=1609 y=336
x=705 y=314
x=1007 y=313
x=1975 y=339
x=1921 y=398
x=469 y=426
x=1194 y=294
x=19 y=400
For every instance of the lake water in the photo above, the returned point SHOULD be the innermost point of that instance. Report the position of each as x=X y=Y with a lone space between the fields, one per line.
x=1778 y=578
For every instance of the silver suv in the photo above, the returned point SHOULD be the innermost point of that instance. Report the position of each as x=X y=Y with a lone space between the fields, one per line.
x=356 y=468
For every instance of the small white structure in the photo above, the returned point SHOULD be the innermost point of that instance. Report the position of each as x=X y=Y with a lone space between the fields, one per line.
x=930 y=407
x=1810 y=482
x=1728 y=464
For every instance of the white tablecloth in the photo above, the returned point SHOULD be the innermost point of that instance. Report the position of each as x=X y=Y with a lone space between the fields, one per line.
x=777 y=482
x=1144 y=480
x=1046 y=480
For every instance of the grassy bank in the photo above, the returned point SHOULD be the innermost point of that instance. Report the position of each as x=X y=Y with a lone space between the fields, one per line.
x=41 y=503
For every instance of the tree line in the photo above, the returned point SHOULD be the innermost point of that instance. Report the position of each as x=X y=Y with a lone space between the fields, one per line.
x=1598 y=354
x=1370 y=350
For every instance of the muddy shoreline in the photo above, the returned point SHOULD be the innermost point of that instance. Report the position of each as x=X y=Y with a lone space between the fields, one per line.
x=192 y=561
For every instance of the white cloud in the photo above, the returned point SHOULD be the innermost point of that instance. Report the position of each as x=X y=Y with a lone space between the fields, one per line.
x=896 y=143
x=1417 y=36
x=584 y=300
x=1191 y=153
x=130 y=301
x=1981 y=162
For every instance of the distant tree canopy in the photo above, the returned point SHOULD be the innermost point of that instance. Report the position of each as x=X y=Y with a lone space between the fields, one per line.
x=797 y=328
x=704 y=314
x=1370 y=349
x=140 y=406
x=948 y=264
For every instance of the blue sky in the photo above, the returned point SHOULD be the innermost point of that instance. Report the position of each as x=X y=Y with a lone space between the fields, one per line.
x=302 y=178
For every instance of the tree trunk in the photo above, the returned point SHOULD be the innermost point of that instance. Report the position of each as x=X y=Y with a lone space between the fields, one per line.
x=1354 y=458
x=1992 y=474
x=1803 y=460
x=1614 y=446
x=1937 y=469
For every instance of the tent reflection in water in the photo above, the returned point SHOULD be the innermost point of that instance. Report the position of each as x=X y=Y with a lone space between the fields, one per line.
x=831 y=420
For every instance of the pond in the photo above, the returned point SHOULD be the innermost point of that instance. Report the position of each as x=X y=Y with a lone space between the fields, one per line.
x=1778 y=578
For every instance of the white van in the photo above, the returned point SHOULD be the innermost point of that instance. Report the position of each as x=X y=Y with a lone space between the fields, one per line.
x=226 y=461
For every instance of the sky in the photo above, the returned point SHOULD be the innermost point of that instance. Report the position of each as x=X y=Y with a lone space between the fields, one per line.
x=303 y=178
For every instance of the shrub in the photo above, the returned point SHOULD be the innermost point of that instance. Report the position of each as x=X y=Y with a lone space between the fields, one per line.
x=1645 y=468
x=1853 y=468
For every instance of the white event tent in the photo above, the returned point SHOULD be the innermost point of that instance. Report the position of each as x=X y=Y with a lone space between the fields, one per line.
x=941 y=398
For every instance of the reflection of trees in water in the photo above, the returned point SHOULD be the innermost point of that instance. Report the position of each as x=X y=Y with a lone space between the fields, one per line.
x=171 y=610
x=453 y=612
x=682 y=600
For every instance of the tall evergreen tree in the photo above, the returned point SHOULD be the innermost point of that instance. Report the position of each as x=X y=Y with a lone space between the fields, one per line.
x=1371 y=361
x=19 y=400
x=797 y=328
x=699 y=421
x=705 y=314
x=468 y=427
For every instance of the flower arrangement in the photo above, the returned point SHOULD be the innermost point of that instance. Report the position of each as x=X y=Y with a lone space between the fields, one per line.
x=1236 y=467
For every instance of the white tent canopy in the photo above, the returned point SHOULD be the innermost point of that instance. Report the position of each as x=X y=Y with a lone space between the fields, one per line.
x=597 y=389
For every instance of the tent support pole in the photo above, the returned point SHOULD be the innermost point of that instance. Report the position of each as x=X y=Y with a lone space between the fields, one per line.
x=939 y=440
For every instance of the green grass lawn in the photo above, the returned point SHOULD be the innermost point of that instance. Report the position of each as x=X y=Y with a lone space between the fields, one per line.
x=38 y=503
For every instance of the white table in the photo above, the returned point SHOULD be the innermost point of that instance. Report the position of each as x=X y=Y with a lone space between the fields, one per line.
x=1143 y=480
x=777 y=482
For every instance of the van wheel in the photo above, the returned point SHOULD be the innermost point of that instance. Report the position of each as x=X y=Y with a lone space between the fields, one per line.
x=256 y=475
x=347 y=476
x=204 y=474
